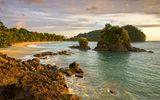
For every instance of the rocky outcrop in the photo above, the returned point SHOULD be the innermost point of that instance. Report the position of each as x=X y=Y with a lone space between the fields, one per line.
x=43 y=54
x=30 y=80
x=74 y=69
x=116 y=39
x=80 y=48
x=117 y=48
x=83 y=44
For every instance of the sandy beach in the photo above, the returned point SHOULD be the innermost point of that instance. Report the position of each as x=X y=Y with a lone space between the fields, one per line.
x=19 y=50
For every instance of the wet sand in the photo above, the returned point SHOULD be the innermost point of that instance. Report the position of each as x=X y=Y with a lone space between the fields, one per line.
x=19 y=50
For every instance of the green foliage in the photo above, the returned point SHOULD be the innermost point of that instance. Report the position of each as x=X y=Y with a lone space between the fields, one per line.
x=91 y=36
x=83 y=41
x=135 y=34
x=2 y=27
x=114 y=35
x=3 y=41
x=13 y=35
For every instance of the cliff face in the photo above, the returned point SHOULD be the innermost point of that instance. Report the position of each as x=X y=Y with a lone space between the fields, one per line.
x=115 y=38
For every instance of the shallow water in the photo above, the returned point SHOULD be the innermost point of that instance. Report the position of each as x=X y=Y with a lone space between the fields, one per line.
x=131 y=76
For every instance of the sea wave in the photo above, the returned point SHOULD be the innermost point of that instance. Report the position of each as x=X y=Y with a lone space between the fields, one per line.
x=34 y=46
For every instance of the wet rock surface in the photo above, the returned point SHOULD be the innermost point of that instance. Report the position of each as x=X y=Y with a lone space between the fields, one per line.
x=30 y=80
x=80 y=48
x=74 y=69
x=44 y=54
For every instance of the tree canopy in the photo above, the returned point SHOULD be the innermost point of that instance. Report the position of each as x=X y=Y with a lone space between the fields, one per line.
x=135 y=34
x=91 y=36
x=83 y=42
x=114 y=35
x=13 y=35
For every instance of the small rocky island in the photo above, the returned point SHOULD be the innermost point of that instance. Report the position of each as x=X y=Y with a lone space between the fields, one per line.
x=115 y=39
x=83 y=44
x=31 y=80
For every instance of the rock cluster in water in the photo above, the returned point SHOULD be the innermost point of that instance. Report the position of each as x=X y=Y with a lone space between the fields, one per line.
x=30 y=80
x=116 y=39
x=83 y=44
x=74 y=69
x=48 y=53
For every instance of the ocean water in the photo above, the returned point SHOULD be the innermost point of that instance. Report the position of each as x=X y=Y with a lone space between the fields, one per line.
x=131 y=76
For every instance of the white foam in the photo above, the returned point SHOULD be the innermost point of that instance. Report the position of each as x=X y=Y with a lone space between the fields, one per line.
x=33 y=46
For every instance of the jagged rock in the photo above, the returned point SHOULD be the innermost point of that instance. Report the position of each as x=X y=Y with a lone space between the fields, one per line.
x=44 y=54
x=30 y=80
x=150 y=52
x=80 y=48
x=74 y=69
x=79 y=75
x=66 y=71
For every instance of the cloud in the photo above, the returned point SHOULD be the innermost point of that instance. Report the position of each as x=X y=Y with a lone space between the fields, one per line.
x=92 y=8
x=20 y=25
x=145 y=26
x=2 y=2
x=32 y=1
x=78 y=15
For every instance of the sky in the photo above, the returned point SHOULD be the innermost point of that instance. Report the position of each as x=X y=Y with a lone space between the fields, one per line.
x=71 y=17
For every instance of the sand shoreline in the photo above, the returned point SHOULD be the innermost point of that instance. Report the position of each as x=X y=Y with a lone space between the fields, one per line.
x=19 y=50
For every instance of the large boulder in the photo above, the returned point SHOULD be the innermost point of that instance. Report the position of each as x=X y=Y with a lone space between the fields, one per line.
x=74 y=69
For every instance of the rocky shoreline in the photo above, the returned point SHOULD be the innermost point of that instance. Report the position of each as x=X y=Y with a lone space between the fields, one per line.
x=31 y=80
x=49 y=53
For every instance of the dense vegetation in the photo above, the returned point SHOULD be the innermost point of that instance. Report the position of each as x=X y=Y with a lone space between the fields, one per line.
x=114 y=35
x=91 y=36
x=13 y=35
x=83 y=42
x=135 y=34
x=114 y=38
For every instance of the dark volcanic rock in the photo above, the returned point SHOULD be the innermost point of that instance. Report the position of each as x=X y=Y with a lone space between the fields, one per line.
x=150 y=52
x=79 y=75
x=30 y=80
x=80 y=48
x=74 y=68
x=44 y=54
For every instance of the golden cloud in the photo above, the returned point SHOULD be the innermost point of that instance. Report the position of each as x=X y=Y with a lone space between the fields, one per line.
x=20 y=25
x=92 y=8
